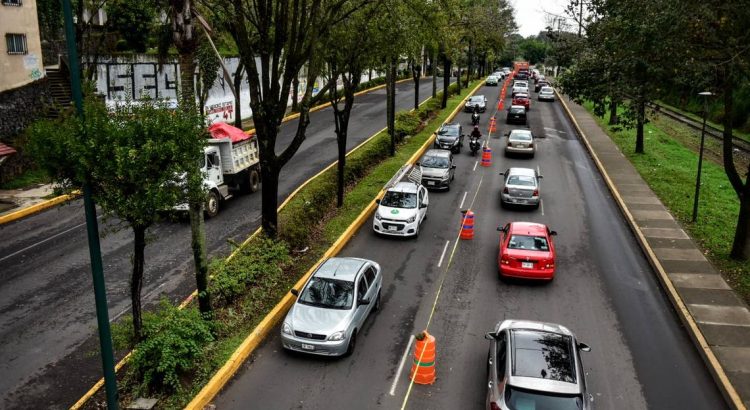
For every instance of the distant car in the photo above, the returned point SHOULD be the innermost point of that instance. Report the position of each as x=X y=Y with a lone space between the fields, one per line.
x=520 y=142
x=506 y=70
x=332 y=307
x=522 y=99
x=535 y=365
x=437 y=169
x=516 y=115
x=519 y=88
x=526 y=251
x=402 y=210
x=546 y=94
x=538 y=85
x=520 y=187
x=522 y=75
x=450 y=136
x=491 y=80
x=476 y=101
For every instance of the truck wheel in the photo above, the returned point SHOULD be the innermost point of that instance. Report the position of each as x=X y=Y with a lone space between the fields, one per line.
x=212 y=204
x=254 y=181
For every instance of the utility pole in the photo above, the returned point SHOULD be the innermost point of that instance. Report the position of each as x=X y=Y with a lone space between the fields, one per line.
x=92 y=228
x=704 y=95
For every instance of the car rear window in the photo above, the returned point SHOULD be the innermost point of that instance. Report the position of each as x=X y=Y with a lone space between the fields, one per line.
x=543 y=355
x=546 y=89
x=517 y=110
x=522 y=399
x=528 y=243
x=523 y=180
x=520 y=136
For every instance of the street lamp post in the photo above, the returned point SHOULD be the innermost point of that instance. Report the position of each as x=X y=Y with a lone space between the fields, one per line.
x=705 y=95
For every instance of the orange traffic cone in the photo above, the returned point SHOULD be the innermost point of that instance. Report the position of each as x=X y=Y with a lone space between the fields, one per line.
x=492 y=124
x=486 y=156
x=423 y=368
x=467 y=225
x=500 y=103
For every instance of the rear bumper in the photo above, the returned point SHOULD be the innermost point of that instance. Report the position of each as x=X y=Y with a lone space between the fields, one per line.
x=533 y=201
x=515 y=150
x=536 y=274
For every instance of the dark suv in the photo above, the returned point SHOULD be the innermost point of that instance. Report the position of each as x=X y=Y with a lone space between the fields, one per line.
x=450 y=136
x=535 y=365
x=516 y=115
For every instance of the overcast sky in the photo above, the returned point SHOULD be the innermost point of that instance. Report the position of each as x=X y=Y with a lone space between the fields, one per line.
x=530 y=14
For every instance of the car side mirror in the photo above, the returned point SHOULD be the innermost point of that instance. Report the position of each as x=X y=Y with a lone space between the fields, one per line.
x=489 y=336
x=540 y=176
x=418 y=164
x=422 y=206
x=500 y=229
x=294 y=292
x=363 y=302
x=553 y=233
x=377 y=201
x=507 y=134
x=453 y=167
x=502 y=173
x=583 y=347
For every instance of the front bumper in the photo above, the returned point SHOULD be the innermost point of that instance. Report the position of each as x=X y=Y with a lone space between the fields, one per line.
x=318 y=347
x=471 y=108
x=447 y=145
x=508 y=199
x=395 y=228
x=434 y=183
x=536 y=274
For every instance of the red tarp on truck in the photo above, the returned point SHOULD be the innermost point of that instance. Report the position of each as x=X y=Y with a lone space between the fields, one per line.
x=221 y=130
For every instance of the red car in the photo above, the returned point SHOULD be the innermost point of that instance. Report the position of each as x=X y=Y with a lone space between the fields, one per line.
x=522 y=99
x=526 y=251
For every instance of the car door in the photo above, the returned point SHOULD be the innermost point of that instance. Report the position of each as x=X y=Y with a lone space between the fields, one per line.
x=423 y=200
x=451 y=170
x=375 y=284
x=361 y=313
x=497 y=366
x=504 y=234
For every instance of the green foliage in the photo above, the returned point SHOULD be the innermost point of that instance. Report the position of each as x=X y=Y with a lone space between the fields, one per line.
x=134 y=20
x=174 y=341
x=252 y=266
x=27 y=179
x=208 y=70
x=407 y=123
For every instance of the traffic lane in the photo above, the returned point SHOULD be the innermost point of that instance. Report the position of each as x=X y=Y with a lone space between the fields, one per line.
x=47 y=304
x=410 y=271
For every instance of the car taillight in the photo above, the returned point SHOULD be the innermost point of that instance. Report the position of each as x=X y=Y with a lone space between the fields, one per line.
x=550 y=263
x=505 y=260
x=536 y=193
x=505 y=190
x=509 y=144
x=494 y=406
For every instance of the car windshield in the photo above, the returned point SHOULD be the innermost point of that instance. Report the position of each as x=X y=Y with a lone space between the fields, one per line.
x=520 y=136
x=522 y=399
x=528 y=243
x=521 y=97
x=476 y=99
x=434 y=161
x=523 y=180
x=399 y=199
x=448 y=131
x=328 y=293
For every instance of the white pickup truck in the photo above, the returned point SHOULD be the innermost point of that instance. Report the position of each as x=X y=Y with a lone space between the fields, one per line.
x=230 y=165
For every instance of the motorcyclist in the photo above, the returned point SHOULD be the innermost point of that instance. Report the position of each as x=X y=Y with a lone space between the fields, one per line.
x=476 y=134
x=475 y=115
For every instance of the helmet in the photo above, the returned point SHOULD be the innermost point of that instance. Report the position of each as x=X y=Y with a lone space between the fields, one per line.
x=476 y=127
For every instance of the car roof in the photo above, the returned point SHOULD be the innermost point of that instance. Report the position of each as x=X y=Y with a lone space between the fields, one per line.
x=546 y=88
x=341 y=268
x=521 y=95
x=437 y=153
x=518 y=107
x=528 y=228
x=477 y=96
x=404 y=186
x=521 y=171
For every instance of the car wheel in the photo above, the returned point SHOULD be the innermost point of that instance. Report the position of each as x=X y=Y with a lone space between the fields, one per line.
x=212 y=204
x=377 y=302
x=352 y=344
x=254 y=181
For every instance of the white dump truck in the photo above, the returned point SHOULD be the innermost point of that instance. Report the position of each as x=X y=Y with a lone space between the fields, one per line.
x=230 y=165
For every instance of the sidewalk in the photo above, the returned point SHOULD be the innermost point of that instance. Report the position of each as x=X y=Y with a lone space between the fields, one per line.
x=16 y=199
x=716 y=319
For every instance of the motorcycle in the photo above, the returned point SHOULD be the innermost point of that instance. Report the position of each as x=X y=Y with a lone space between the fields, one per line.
x=474 y=145
x=475 y=119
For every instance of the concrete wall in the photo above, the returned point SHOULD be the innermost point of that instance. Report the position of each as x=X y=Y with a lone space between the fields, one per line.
x=20 y=69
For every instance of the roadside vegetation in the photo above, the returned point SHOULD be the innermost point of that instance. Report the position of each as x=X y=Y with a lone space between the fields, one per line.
x=180 y=350
x=669 y=167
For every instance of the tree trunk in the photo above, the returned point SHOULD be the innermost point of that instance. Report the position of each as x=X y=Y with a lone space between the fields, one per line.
x=415 y=71
x=369 y=75
x=269 y=197
x=237 y=102
x=741 y=245
x=640 y=120
x=295 y=93
x=433 y=64
x=458 y=80
x=187 y=79
x=613 y=120
x=446 y=80
x=390 y=103
x=198 y=242
x=136 y=280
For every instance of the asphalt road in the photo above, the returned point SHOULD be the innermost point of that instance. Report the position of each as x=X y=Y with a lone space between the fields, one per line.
x=604 y=291
x=48 y=352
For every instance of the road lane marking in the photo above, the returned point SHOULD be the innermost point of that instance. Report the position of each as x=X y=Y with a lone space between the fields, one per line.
x=538 y=171
x=541 y=205
x=43 y=241
x=401 y=363
x=440 y=262
x=462 y=201
x=475 y=165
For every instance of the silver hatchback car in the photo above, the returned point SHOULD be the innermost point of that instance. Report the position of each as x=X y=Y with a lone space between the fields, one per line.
x=535 y=365
x=520 y=187
x=332 y=307
x=520 y=142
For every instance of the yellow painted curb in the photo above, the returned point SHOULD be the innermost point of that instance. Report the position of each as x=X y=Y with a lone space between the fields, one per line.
x=98 y=385
x=22 y=213
x=222 y=376
x=717 y=371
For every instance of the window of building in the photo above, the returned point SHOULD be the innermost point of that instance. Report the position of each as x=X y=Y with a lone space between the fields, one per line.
x=12 y=2
x=16 y=43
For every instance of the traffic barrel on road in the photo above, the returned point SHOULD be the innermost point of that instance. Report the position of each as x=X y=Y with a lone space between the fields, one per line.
x=486 y=156
x=500 y=103
x=423 y=368
x=492 y=124
x=467 y=225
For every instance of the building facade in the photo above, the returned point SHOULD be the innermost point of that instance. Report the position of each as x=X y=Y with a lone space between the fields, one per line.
x=21 y=52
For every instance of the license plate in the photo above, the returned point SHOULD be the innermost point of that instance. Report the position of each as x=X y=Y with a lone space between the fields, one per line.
x=307 y=346
x=519 y=146
x=430 y=182
x=391 y=227
x=527 y=265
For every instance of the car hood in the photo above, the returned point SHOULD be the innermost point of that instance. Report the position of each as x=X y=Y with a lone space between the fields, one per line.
x=396 y=214
x=434 y=172
x=471 y=104
x=522 y=254
x=447 y=138
x=311 y=319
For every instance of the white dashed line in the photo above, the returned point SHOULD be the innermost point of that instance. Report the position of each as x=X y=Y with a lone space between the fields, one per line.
x=440 y=262
x=541 y=206
x=462 y=201
x=401 y=366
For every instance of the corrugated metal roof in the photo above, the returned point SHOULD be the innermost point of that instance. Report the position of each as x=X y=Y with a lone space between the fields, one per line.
x=6 y=150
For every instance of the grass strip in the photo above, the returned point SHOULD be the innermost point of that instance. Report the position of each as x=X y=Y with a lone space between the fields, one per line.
x=695 y=117
x=669 y=168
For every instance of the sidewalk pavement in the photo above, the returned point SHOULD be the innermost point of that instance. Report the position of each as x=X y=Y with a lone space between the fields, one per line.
x=17 y=199
x=717 y=319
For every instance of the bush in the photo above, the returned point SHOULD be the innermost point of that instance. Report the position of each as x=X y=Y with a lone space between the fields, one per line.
x=407 y=123
x=173 y=342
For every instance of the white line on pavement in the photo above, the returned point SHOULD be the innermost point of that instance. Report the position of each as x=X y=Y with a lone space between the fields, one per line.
x=41 y=242
x=541 y=205
x=475 y=166
x=462 y=201
x=401 y=366
x=440 y=262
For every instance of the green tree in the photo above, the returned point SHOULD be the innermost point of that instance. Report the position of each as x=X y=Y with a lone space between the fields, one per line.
x=132 y=157
x=133 y=20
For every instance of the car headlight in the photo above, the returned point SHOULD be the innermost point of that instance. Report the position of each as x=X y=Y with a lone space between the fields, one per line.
x=377 y=216
x=445 y=176
x=412 y=219
x=286 y=328
x=336 y=336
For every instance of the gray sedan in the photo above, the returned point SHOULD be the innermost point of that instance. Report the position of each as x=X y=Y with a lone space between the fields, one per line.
x=332 y=307
x=520 y=187
x=520 y=142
